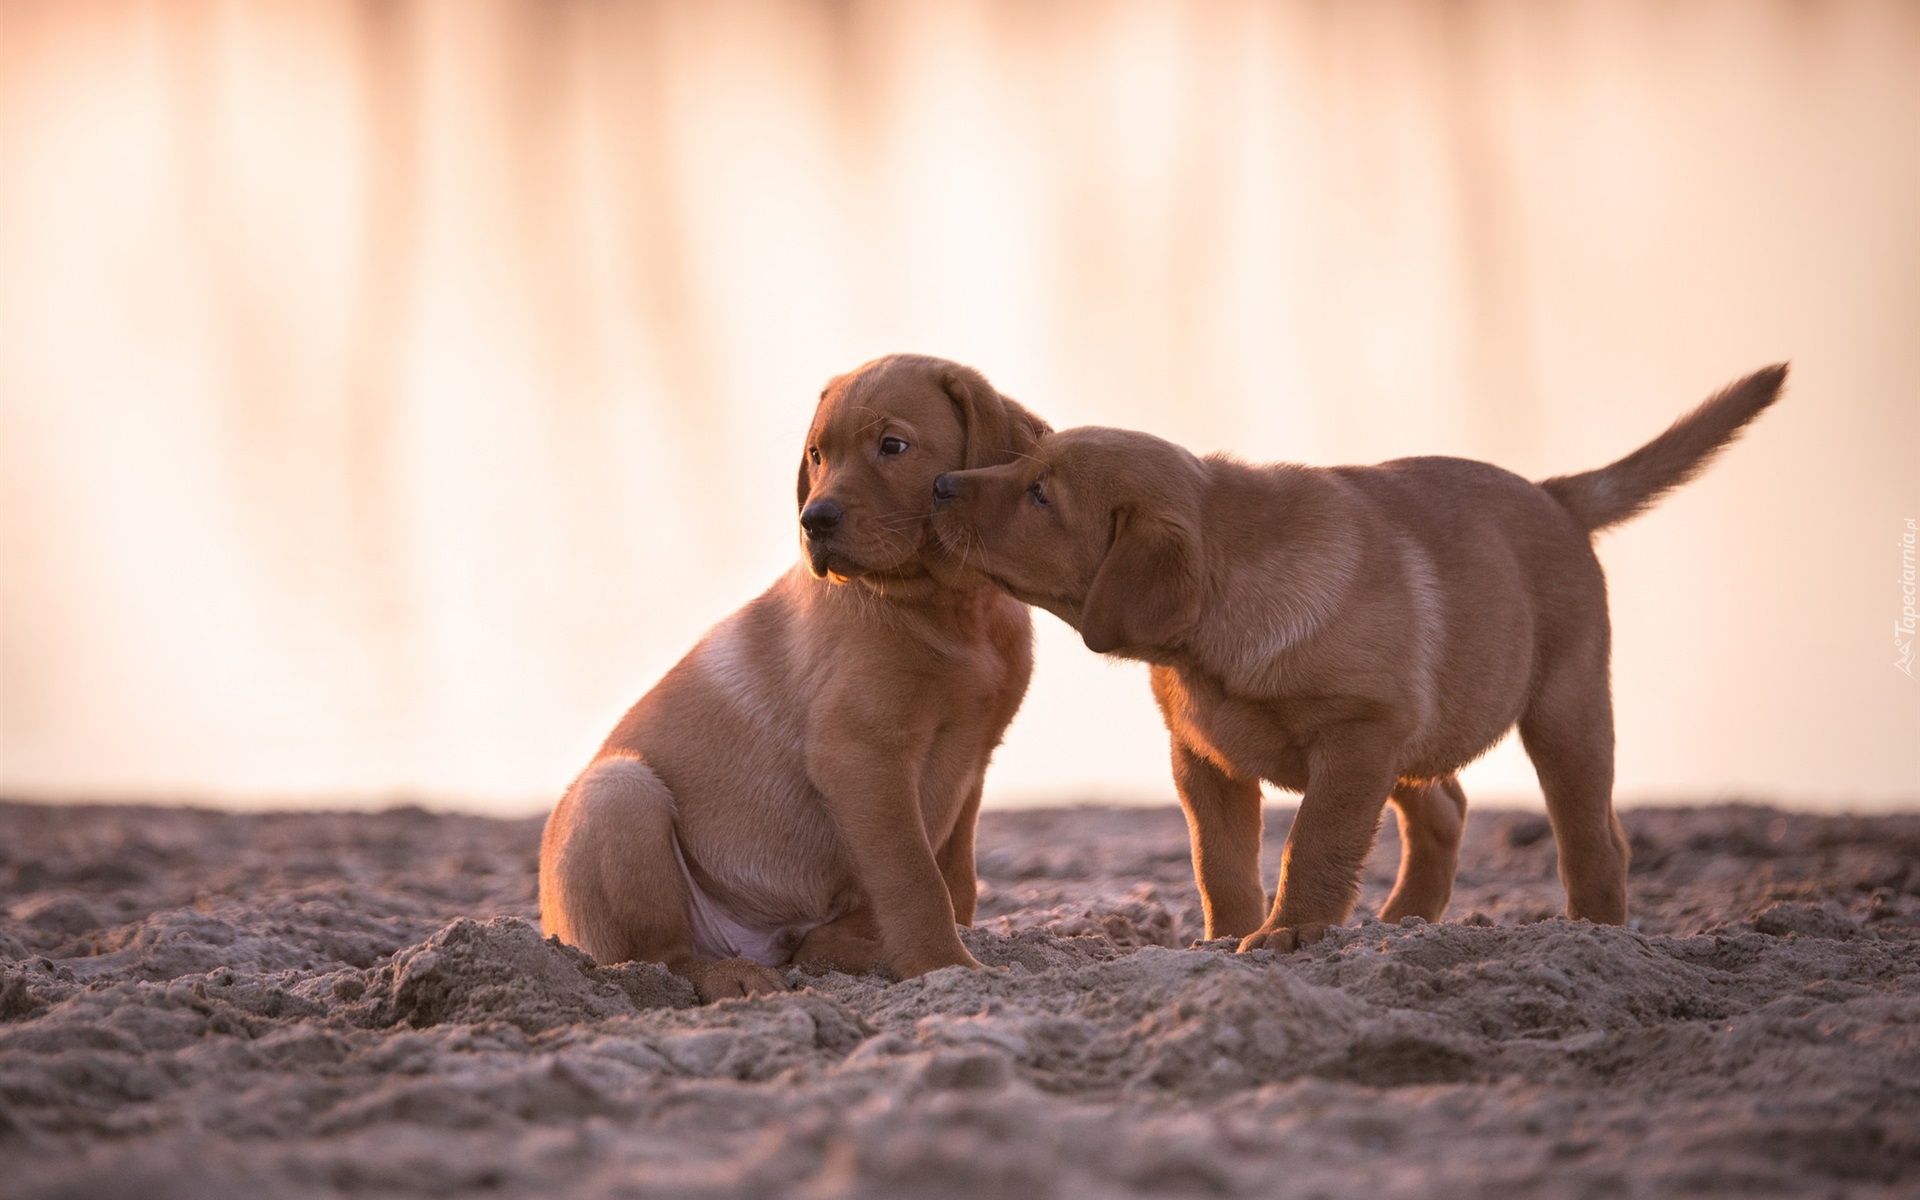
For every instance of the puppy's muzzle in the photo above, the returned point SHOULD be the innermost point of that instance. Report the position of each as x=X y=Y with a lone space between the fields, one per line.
x=945 y=488
x=821 y=518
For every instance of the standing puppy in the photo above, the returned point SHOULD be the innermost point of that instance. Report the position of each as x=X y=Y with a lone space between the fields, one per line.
x=803 y=784
x=1356 y=634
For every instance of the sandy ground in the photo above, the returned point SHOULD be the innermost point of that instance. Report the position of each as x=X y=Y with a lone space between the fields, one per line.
x=199 y=1004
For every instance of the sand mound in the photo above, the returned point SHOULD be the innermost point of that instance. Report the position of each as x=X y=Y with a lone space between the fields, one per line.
x=502 y=970
x=317 y=1005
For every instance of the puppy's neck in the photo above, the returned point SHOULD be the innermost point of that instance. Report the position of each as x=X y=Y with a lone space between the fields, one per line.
x=918 y=615
x=935 y=590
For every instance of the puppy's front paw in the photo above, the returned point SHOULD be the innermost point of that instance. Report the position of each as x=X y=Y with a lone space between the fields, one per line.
x=919 y=965
x=732 y=978
x=1283 y=938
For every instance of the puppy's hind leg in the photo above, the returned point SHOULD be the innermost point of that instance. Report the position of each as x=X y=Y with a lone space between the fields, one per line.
x=611 y=884
x=1432 y=817
x=1568 y=733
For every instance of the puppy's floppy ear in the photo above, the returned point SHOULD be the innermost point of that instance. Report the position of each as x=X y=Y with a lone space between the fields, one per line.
x=997 y=428
x=1147 y=590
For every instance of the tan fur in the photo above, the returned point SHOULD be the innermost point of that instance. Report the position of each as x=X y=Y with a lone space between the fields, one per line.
x=816 y=760
x=1356 y=634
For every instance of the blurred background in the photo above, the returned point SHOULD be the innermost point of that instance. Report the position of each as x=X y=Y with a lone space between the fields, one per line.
x=390 y=392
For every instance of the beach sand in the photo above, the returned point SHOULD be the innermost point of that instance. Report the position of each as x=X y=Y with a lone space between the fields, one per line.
x=196 y=1003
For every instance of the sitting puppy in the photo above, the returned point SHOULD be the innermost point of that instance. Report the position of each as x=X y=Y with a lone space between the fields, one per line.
x=803 y=785
x=1354 y=633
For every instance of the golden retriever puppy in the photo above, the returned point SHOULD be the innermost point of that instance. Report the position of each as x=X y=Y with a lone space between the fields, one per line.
x=803 y=785
x=1356 y=634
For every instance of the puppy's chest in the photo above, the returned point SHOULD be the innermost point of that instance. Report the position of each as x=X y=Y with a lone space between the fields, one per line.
x=977 y=691
x=1251 y=739
x=986 y=669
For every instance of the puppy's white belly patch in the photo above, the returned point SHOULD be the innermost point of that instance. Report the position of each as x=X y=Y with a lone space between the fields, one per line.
x=718 y=934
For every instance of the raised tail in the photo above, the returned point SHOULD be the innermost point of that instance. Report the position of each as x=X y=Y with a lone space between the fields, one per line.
x=1623 y=489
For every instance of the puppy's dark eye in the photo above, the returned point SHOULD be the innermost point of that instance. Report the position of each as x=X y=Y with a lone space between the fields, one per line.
x=813 y=455
x=892 y=445
x=1037 y=492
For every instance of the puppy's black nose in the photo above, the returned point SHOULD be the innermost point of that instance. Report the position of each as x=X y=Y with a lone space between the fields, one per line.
x=944 y=487
x=821 y=518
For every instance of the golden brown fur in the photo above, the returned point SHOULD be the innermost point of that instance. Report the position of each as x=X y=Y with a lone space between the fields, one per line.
x=1357 y=634
x=815 y=762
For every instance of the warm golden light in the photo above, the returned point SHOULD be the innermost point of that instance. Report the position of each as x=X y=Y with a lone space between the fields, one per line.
x=388 y=394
